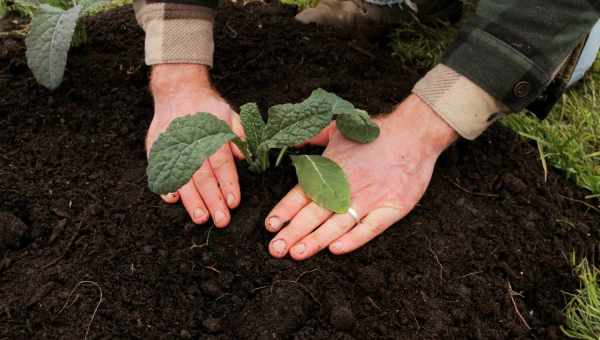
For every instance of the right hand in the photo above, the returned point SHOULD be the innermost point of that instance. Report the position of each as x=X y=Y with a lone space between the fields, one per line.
x=183 y=89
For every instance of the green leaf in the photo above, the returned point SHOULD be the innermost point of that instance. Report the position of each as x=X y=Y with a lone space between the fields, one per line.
x=323 y=181
x=357 y=126
x=48 y=43
x=181 y=150
x=90 y=7
x=253 y=125
x=293 y=124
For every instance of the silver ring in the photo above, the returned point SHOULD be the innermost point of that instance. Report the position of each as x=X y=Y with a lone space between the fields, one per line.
x=353 y=214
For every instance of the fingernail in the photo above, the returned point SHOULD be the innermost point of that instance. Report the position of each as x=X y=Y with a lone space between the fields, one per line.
x=274 y=223
x=169 y=197
x=219 y=216
x=230 y=200
x=299 y=249
x=198 y=213
x=337 y=246
x=279 y=247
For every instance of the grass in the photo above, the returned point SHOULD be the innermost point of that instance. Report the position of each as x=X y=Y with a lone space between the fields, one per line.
x=583 y=310
x=301 y=4
x=569 y=139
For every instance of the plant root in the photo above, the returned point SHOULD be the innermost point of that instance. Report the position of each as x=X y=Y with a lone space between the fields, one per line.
x=512 y=295
x=95 y=309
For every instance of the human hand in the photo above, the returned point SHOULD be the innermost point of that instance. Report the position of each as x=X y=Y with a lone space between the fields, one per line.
x=387 y=178
x=183 y=89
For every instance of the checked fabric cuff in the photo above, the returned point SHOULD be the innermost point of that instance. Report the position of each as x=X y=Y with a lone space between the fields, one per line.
x=176 y=33
x=465 y=106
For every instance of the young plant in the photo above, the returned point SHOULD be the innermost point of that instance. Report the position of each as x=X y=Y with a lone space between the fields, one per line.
x=190 y=140
x=55 y=27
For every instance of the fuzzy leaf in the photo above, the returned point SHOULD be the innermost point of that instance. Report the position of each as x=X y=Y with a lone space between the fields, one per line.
x=48 y=43
x=357 y=126
x=253 y=125
x=89 y=7
x=323 y=181
x=181 y=150
x=293 y=124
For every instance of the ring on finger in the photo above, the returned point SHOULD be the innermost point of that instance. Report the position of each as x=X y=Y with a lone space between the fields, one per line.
x=352 y=212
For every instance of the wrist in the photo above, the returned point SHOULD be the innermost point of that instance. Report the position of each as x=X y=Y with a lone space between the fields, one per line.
x=427 y=126
x=172 y=79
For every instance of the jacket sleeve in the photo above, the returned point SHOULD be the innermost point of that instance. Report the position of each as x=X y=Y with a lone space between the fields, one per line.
x=512 y=54
x=179 y=31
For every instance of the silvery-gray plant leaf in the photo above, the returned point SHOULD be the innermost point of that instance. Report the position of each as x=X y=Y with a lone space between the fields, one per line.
x=48 y=43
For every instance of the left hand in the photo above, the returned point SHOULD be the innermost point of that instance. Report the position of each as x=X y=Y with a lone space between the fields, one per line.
x=387 y=178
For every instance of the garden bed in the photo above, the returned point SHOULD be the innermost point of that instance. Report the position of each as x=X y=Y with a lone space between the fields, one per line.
x=72 y=176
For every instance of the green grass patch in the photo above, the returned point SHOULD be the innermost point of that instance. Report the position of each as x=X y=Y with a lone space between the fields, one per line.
x=108 y=5
x=420 y=45
x=301 y=4
x=569 y=139
x=583 y=310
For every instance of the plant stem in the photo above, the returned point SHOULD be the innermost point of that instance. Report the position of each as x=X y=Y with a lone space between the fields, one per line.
x=280 y=156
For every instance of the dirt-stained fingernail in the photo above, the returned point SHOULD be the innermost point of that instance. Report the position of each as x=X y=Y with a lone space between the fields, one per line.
x=279 y=247
x=299 y=249
x=336 y=247
x=274 y=223
x=199 y=213
x=230 y=200
x=219 y=216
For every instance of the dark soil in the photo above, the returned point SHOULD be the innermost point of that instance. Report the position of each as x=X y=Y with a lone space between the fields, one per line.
x=74 y=208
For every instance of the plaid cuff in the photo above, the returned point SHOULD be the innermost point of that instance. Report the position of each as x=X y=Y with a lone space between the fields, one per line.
x=176 y=33
x=465 y=106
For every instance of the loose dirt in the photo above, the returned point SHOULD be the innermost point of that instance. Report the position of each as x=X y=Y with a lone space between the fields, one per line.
x=74 y=207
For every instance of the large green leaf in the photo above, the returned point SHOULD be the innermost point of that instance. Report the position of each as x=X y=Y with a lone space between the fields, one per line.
x=323 y=181
x=357 y=126
x=181 y=150
x=293 y=124
x=48 y=43
x=253 y=125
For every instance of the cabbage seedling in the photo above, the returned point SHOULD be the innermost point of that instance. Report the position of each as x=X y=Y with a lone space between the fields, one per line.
x=188 y=141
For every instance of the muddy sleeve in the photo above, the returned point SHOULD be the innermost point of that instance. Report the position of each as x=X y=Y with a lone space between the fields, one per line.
x=177 y=31
x=510 y=56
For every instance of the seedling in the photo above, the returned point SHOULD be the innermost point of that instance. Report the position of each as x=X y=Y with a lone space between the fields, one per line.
x=188 y=141
x=55 y=27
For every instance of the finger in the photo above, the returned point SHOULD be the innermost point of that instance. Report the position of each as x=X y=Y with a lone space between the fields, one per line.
x=193 y=203
x=287 y=208
x=376 y=222
x=237 y=153
x=206 y=184
x=331 y=230
x=323 y=137
x=170 y=198
x=223 y=167
x=237 y=128
x=309 y=218
x=236 y=125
